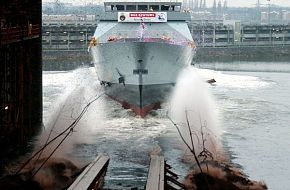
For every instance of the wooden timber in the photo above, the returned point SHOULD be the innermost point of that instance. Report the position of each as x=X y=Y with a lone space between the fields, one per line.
x=156 y=173
x=92 y=176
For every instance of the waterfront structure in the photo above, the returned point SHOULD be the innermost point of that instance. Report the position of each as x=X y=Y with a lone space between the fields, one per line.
x=65 y=43
x=75 y=35
x=226 y=34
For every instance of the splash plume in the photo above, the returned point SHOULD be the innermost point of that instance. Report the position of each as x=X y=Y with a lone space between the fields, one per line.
x=193 y=108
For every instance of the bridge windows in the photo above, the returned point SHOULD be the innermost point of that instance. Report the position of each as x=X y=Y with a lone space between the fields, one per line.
x=142 y=7
x=154 y=7
x=165 y=7
x=131 y=7
x=120 y=7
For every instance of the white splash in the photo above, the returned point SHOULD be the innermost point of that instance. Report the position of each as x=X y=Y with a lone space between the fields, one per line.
x=81 y=87
x=192 y=102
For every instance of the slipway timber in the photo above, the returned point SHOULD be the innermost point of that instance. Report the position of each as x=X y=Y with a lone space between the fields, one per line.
x=93 y=175
x=160 y=176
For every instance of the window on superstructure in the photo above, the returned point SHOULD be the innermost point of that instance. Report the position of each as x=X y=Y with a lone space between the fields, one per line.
x=165 y=7
x=113 y=8
x=108 y=8
x=131 y=8
x=120 y=7
x=177 y=8
x=142 y=7
x=154 y=7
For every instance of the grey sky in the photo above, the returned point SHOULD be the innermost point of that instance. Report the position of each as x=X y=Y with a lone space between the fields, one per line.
x=251 y=3
x=231 y=3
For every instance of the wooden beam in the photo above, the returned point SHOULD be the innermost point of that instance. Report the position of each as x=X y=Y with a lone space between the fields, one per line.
x=156 y=173
x=92 y=176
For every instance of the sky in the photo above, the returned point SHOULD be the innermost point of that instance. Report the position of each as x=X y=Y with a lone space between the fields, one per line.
x=231 y=3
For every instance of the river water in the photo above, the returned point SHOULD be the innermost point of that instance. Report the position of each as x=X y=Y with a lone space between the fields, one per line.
x=254 y=114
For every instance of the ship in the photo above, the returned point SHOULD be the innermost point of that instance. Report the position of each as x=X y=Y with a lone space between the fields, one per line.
x=138 y=49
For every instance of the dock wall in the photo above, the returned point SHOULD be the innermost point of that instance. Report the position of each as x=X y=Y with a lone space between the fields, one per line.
x=65 y=60
x=244 y=53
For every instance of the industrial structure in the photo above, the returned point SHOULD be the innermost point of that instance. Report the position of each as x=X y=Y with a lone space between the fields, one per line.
x=233 y=33
x=20 y=71
x=65 y=40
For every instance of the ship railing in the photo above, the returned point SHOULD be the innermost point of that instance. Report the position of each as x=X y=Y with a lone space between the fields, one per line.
x=156 y=40
x=144 y=33
x=158 y=36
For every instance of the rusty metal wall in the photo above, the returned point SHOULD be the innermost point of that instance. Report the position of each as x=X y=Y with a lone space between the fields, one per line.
x=20 y=74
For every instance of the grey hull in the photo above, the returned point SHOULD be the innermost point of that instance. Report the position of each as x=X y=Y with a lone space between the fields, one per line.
x=140 y=75
x=159 y=63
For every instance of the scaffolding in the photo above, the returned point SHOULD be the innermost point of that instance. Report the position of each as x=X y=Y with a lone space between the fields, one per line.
x=20 y=71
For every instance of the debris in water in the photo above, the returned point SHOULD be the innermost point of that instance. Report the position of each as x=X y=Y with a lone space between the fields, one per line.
x=17 y=182
x=56 y=173
x=220 y=176
x=211 y=81
x=195 y=116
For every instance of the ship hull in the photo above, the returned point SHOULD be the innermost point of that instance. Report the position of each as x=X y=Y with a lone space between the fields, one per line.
x=139 y=98
x=140 y=75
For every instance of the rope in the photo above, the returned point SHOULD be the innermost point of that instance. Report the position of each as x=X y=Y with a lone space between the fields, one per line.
x=191 y=149
x=69 y=129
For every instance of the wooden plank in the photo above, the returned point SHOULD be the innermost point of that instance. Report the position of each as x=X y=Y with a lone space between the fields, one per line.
x=92 y=174
x=155 y=180
x=162 y=173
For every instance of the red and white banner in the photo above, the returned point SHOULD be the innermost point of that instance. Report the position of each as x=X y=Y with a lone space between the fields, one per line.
x=142 y=16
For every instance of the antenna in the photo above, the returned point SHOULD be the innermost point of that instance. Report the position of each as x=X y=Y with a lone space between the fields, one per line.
x=269 y=12
x=57 y=6
x=258 y=5
x=57 y=3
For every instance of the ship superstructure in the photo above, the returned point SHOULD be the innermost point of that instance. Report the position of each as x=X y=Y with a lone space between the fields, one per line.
x=138 y=50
